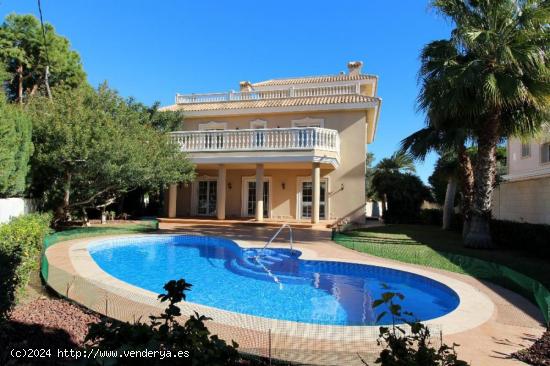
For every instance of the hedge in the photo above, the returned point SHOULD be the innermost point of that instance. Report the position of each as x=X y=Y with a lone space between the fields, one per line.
x=20 y=246
x=531 y=238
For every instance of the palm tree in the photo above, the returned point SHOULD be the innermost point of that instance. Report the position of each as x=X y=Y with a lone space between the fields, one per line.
x=454 y=160
x=491 y=77
x=399 y=162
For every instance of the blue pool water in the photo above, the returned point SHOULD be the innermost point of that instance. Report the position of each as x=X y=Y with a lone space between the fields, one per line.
x=275 y=284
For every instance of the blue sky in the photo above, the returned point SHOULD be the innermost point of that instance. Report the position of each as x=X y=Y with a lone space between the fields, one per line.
x=152 y=49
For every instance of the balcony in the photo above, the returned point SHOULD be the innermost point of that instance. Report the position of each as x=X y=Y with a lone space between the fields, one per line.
x=301 y=144
x=289 y=92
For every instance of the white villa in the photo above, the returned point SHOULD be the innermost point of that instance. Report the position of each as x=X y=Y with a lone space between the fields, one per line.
x=281 y=149
x=525 y=193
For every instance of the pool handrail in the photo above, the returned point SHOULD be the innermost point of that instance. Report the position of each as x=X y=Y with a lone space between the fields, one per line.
x=287 y=225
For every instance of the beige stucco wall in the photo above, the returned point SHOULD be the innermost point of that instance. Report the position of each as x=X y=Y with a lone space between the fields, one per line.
x=530 y=164
x=523 y=201
x=348 y=202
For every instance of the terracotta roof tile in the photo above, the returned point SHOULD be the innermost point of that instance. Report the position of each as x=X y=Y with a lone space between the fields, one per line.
x=269 y=103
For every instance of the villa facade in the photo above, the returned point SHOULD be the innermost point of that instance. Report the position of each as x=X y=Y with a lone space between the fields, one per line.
x=281 y=149
x=524 y=195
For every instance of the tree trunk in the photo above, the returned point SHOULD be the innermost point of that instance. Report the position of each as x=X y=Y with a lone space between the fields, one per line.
x=467 y=187
x=479 y=235
x=67 y=195
x=20 y=84
x=103 y=215
x=384 y=205
x=449 y=205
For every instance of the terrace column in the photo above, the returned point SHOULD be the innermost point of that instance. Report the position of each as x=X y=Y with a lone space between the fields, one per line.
x=259 y=192
x=220 y=192
x=316 y=192
x=172 y=200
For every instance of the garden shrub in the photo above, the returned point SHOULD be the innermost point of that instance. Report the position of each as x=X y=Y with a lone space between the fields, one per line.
x=533 y=239
x=164 y=333
x=405 y=194
x=413 y=348
x=20 y=246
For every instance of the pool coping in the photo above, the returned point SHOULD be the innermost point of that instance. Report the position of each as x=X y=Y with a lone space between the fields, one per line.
x=474 y=309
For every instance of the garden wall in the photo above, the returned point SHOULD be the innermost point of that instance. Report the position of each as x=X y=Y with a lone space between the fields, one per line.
x=13 y=207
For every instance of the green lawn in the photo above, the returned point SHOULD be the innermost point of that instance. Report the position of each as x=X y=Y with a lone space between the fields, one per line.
x=100 y=230
x=107 y=229
x=430 y=246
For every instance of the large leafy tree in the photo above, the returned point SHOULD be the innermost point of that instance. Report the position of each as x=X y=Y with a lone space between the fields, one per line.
x=25 y=57
x=93 y=147
x=15 y=149
x=491 y=76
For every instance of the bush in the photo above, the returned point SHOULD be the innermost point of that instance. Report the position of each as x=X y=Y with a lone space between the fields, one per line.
x=405 y=194
x=20 y=244
x=164 y=333
x=530 y=238
x=431 y=216
x=413 y=348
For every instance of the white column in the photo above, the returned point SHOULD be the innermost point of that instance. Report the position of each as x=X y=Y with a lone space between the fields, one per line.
x=316 y=196
x=172 y=200
x=259 y=192
x=220 y=192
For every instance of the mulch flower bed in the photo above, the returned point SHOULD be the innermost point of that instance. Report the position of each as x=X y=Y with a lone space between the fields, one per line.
x=44 y=324
x=538 y=354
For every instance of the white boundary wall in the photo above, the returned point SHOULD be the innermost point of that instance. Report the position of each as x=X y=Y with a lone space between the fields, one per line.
x=13 y=207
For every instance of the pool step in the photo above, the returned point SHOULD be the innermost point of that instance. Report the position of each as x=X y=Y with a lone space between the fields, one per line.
x=258 y=272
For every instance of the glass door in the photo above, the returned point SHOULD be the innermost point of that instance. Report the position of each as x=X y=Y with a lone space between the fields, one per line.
x=207 y=198
x=251 y=198
x=307 y=199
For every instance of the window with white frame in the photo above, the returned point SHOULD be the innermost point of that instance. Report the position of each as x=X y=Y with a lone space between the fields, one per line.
x=525 y=149
x=258 y=123
x=308 y=122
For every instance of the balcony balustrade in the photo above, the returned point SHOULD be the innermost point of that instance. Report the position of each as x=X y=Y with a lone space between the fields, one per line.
x=283 y=139
x=289 y=92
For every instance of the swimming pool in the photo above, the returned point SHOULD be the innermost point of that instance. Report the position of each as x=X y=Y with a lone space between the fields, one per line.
x=271 y=283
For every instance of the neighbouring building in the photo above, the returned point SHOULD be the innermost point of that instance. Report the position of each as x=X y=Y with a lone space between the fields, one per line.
x=281 y=149
x=524 y=195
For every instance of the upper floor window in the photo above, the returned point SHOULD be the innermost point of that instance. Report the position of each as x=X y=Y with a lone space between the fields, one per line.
x=212 y=125
x=258 y=123
x=308 y=122
x=525 y=150
x=545 y=153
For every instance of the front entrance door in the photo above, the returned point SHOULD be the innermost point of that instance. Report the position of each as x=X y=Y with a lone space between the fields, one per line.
x=249 y=207
x=306 y=199
x=207 y=198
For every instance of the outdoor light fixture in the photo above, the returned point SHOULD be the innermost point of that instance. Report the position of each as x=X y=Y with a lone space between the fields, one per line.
x=283 y=185
x=229 y=185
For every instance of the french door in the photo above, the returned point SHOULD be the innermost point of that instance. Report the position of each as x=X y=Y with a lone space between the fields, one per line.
x=249 y=203
x=207 y=197
x=306 y=199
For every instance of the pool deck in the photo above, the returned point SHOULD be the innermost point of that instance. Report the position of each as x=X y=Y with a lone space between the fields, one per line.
x=489 y=324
